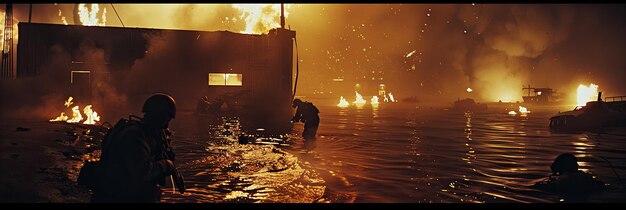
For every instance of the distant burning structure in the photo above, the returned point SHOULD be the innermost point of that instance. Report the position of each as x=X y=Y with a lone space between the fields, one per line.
x=256 y=69
x=540 y=96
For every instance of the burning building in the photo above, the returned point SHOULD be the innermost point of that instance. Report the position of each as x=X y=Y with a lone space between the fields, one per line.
x=255 y=72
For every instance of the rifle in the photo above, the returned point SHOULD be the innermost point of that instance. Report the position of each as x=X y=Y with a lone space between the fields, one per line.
x=177 y=178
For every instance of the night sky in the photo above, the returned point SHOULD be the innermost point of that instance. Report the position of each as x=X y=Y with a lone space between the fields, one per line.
x=432 y=52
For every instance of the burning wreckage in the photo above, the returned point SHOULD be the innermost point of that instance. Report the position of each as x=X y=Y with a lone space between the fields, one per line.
x=240 y=71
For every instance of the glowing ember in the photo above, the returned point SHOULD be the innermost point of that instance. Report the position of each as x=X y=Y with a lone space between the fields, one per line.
x=343 y=102
x=76 y=116
x=523 y=110
x=391 y=98
x=539 y=93
x=69 y=102
x=374 y=100
x=62 y=17
x=512 y=113
x=92 y=116
x=586 y=93
x=411 y=53
x=89 y=17
x=359 y=99
x=469 y=90
x=260 y=18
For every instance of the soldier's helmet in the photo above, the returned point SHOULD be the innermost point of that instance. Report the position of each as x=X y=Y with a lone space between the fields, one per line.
x=160 y=103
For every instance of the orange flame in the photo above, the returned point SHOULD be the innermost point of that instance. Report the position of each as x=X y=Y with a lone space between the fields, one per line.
x=586 y=93
x=60 y=118
x=92 y=116
x=260 y=18
x=512 y=113
x=89 y=17
x=69 y=102
x=359 y=99
x=469 y=90
x=76 y=116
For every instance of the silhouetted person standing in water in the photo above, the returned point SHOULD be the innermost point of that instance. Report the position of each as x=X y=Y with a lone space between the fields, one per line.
x=308 y=114
x=573 y=184
x=133 y=164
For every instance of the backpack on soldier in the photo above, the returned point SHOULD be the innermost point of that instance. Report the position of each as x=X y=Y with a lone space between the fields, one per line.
x=91 y=170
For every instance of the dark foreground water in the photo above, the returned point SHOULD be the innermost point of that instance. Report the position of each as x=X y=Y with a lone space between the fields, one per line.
x=393 y=153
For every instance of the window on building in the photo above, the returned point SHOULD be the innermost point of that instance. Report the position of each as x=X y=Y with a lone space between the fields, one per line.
x=224 y=79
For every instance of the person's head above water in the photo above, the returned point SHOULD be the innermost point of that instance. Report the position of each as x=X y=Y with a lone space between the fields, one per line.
x=296 y=102
x=564 y=163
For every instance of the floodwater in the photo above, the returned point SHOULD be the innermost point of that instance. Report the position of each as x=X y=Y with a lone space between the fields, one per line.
x=393 y=153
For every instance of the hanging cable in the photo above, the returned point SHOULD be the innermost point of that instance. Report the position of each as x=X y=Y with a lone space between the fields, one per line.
x=297 y=68
x=118 y=16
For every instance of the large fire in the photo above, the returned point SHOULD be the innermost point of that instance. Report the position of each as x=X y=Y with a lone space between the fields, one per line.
x=89 y=17
x=359 y=99
x=343 y=102
x=586 y=93
x=92 y=116
x=260 y=18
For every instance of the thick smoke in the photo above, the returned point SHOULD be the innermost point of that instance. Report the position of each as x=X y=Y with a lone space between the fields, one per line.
x=494 y=49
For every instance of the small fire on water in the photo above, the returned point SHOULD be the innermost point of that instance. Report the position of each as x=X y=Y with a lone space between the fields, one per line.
x=391 y=97
x=374 y=100
x=359 y=99
x=523 y=111
x=586 y=93
x=92 y=116
x=343 y=102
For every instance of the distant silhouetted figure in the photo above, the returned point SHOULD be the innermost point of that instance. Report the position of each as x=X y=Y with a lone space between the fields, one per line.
x=137 y=158
x=568 y=181
x=308 y=114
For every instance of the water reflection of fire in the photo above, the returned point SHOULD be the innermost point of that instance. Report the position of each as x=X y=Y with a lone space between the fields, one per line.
x=92 y=116
x=586 y=93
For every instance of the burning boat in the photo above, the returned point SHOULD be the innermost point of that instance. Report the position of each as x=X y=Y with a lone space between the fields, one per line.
x=595 y=116
x=541 y=96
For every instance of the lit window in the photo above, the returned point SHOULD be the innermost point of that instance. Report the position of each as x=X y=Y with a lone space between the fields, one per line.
x=224 y=79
